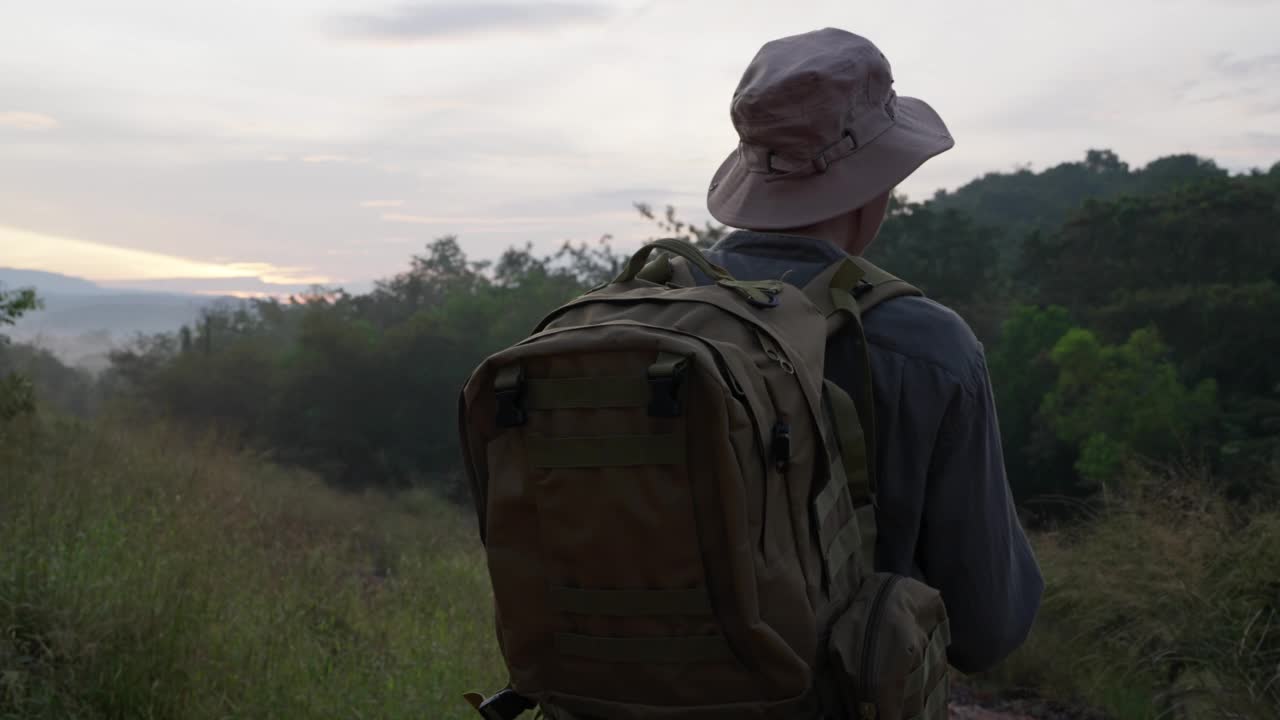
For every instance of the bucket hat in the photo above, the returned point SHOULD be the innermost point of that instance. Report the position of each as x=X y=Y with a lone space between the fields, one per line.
x=821 y=132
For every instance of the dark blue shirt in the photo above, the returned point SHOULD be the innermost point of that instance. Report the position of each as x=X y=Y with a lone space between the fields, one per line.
x=946 y=515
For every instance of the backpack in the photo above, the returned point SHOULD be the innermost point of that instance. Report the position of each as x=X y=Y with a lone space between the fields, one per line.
x=677 y=508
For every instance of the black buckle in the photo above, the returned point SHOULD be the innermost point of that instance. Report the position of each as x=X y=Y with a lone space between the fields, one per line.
x=781 y=446
x=507 y=704
x=664 y=392
x=508 y=391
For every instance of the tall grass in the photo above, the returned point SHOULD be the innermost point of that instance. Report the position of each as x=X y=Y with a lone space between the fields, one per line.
x=1165 y=604
x=144 y=574
x=147 y=575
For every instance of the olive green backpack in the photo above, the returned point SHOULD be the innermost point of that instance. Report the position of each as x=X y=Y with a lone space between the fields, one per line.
x=677 y=508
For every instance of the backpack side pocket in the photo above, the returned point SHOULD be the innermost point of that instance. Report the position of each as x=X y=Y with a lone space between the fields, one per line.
x=888 y=651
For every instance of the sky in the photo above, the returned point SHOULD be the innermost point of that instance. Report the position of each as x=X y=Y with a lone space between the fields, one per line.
x=259 y=146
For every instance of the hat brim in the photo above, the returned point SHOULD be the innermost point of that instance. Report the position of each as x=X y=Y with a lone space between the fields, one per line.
x=741 y=198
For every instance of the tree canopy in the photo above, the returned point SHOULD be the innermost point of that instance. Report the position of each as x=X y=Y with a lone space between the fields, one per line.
x=1125 y=314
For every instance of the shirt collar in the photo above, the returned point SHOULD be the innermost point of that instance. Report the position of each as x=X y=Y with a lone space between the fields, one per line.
x=793 y=247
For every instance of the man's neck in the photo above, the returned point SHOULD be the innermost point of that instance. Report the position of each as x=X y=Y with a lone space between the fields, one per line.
x=844 y=232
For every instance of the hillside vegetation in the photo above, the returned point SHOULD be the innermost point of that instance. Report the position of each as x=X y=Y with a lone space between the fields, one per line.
x=149 y=573
x=261 y=515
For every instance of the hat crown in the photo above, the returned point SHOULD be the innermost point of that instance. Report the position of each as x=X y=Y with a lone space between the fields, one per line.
x=802 y=93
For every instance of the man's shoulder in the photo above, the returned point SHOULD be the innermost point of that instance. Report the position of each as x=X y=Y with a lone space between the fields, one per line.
x=926 y=332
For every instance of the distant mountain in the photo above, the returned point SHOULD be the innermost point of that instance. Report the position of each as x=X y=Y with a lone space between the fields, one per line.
x=81 y=322
x=47 y=282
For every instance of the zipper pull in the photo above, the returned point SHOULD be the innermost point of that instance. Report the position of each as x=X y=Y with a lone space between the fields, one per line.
x=774 y=353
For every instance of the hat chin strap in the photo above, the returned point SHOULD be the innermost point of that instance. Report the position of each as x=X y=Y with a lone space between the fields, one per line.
x=860 y=133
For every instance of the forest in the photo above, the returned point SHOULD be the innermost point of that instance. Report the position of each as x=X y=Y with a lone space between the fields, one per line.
x=1128 y=316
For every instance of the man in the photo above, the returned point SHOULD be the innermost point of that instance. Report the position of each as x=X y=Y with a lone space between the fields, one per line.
x=823 y=141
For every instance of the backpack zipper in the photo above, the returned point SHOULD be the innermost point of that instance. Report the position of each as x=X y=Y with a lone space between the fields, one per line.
x=774 y=352
x=871 y=638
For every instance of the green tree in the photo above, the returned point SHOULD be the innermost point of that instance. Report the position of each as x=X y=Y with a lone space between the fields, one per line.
x=1115 y=402
x=17 y=396
x=1022 y=373
x=359 y=387
x=1212 y=232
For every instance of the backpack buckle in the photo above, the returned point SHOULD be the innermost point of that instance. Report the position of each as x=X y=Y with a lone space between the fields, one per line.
x=508 y=391
x=666 y=376
x=781 y=446
x=505 y=705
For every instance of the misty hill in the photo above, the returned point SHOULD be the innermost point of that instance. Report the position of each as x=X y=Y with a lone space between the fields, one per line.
x=47 y=282
x=81 y=321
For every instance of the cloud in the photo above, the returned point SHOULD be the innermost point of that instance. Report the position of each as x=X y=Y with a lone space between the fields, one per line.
x=27 y=120
x=1258 y=64
x=1265 y=141
x=419 y=21
x=381 y=203
x=479 y=221
x=28 y=250
x=247 y=287
x=1249 y=83
x=325 y=159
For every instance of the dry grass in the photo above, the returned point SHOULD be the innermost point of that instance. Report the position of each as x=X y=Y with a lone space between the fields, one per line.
x=1164 y=605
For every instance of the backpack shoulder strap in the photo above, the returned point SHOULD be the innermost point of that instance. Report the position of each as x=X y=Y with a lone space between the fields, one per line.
x=868 y=284
x=878 y=285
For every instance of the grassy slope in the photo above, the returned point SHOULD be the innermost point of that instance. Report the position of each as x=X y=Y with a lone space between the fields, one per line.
x=1168 y=598
x=146 y=575
x=143 y=575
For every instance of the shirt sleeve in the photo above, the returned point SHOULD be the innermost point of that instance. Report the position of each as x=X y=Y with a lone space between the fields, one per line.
x=973 y=548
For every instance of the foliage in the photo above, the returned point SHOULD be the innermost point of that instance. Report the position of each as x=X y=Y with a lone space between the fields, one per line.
x=1023 y=202
x=1163 y=604
x=362 y=388
x=671 y=226
x=15 y=303
x=949 y=256
x=65 y=389
x=17 y=397
x=1022 y=373
x=1213 y=232
x=149 y=573
x=1114 y=401
x=1128 y=318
